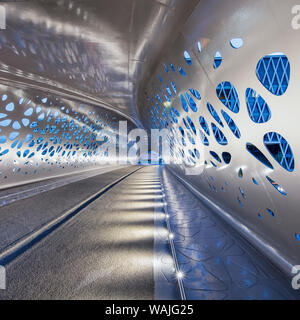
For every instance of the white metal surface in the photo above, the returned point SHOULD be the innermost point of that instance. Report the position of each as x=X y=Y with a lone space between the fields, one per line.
x=265 y=27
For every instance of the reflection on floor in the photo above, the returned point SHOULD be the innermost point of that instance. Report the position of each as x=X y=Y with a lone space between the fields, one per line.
x=216 y=262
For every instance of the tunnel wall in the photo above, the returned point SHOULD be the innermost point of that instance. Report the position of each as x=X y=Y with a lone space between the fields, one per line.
x=243 y=153
x=43 y=135
x=60 y=102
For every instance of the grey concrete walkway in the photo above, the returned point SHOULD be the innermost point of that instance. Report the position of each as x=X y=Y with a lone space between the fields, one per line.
x=117 y=247
x=217 y=263
x=104 y=252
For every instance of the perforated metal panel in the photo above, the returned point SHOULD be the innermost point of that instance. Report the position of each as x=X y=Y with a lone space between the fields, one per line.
x=42 y=135
x=244 y=62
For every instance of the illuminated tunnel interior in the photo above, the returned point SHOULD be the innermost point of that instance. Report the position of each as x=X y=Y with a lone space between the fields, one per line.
x=148 y=150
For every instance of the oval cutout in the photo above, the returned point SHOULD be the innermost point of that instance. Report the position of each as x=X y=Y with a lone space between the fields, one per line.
x=172 y=67
x=226 y=157
x=187 y=58
x=5 y=123
x=280 y=150
x=217 y=60
x=220 y=137
x=186 y=125
x=227 y=94
x=276 y=186
x=243 y=193
x=28 y=112
x=191 y=123
x=195 y=93
x=169 y=91
x=215 y=156
x=174 y=87
x=2 y=139
x=203 y=138
x=181 y=131
x=240 y=173
x=176 y=112
x=258 y=155
x=181 y=71
x=197 y=153
x=191 y=139
x=204 y=125
x=191 y=102
x=184 y=103
x=273 y=71
x=10 y=107
x=271 y=212
x=258 y=109
x=237 y=43
x=199 y=46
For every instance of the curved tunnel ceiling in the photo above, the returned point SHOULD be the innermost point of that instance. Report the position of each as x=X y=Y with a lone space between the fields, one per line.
x=93 y=51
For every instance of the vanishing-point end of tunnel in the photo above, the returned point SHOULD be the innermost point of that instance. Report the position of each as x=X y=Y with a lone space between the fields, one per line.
x=149 y=150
